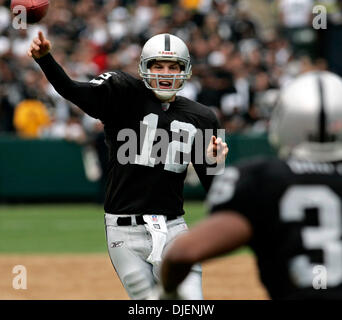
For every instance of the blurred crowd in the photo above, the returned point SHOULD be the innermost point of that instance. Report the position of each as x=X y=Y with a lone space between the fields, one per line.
x=240 y=59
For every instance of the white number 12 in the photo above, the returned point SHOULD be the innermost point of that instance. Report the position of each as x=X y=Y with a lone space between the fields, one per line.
x=145 y=158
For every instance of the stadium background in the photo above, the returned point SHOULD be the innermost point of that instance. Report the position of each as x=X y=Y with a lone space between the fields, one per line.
x=51 y=154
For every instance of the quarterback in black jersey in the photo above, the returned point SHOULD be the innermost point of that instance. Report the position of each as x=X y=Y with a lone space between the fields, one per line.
x=152 y=135
x=287 y=209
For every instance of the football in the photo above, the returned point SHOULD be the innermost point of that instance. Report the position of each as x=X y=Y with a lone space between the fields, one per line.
x=35 y=9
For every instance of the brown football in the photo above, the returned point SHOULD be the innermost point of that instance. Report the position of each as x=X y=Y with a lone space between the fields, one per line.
x=35 y=9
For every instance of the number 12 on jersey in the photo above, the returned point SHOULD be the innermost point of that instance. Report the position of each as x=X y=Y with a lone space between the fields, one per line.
x=146 y=159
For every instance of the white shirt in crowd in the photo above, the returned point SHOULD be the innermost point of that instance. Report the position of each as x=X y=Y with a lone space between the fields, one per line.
x=296 y=13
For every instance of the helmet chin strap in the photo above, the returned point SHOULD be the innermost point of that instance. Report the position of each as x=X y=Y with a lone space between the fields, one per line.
x=164 y=95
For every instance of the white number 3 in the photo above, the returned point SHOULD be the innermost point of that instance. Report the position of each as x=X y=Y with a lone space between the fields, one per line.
x=326 y=236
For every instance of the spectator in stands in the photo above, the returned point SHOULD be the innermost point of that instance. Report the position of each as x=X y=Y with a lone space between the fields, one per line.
x=296 y=22
x=30 y=117
x=224 y=38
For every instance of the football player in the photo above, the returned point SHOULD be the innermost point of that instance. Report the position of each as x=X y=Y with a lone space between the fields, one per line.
x=287 y=209
x=150 y=132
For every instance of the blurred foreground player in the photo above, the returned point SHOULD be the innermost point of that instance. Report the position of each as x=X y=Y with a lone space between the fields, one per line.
x=289 y=211
x=147 y=130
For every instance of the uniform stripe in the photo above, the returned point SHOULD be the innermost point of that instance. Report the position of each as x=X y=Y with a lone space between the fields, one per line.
x=322 y=113
x=167 y=42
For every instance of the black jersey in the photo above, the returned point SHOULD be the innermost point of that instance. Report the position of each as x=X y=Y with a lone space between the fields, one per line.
x=140 y=180
x=294 y=208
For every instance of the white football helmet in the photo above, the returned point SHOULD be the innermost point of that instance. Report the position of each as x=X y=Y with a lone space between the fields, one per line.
x=165 y=47
x=307 y=120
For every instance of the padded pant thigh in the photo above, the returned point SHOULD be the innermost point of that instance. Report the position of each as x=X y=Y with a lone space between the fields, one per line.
x=135 y=274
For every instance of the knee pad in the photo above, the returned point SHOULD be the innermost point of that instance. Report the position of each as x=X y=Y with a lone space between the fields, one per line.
x=137 y=285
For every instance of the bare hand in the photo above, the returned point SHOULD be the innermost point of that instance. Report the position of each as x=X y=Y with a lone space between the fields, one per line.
x=217 y=150
x=40 y=47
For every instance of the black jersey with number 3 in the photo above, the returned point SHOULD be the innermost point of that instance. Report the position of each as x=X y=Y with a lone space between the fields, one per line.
x=131 y=113
x=295 y=210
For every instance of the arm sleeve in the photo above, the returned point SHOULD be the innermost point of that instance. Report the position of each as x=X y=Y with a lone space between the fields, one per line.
x=202 y=168
x=205 y=179
x=91 y=98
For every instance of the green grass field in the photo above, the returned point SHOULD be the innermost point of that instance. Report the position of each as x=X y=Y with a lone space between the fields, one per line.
x=62 y=228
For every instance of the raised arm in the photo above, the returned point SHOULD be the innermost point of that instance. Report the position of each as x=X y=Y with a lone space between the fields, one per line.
x=90 y=97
